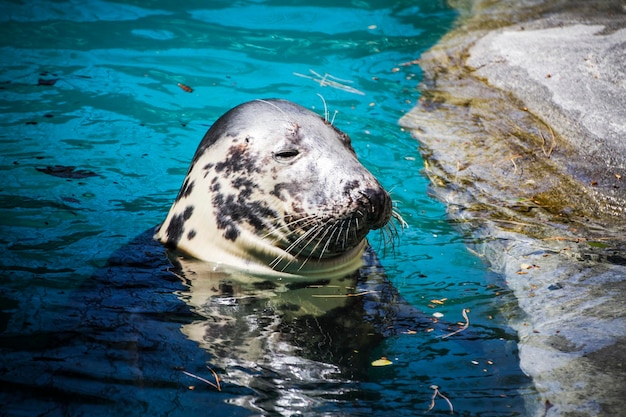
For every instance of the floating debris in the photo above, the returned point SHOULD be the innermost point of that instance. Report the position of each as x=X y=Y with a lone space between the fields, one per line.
x=465 y=326
x=382 y=362
x=358 y=294
x=438 y=393
x=185 y=87
x=215 y=384
x=409 y=63
x=328 y=80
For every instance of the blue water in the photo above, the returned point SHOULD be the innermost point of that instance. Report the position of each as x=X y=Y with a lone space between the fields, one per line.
x=94 y=86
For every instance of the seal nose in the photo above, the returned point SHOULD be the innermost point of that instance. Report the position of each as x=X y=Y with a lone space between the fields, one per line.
x=379 y=207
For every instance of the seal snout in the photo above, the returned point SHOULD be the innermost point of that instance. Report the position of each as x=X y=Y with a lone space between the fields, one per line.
x=379 y=207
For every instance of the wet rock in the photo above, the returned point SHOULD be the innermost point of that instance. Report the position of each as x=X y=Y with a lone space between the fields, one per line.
x=521 y=125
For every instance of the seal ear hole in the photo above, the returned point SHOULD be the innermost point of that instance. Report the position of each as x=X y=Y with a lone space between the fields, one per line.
x=286 y=155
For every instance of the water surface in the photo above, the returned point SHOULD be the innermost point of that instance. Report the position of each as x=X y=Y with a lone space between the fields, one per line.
x=95 y=88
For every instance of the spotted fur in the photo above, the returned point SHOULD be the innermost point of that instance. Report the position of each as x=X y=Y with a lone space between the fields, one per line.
x=274 y=189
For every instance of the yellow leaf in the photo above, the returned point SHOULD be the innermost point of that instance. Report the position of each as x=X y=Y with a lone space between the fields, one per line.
x=382 y=362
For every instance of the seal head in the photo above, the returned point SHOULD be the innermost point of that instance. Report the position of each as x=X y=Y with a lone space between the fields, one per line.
x=274 y=189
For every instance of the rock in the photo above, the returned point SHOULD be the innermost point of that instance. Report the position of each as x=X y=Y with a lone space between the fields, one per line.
x=521 y=124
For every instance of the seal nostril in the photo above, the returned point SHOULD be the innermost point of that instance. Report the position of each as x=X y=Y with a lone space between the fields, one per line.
x=379 y=207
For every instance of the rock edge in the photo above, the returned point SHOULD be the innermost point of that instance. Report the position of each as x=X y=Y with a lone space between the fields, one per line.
x=520 y=129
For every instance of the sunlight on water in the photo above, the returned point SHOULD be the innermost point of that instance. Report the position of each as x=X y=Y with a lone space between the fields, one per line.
x=96 y=88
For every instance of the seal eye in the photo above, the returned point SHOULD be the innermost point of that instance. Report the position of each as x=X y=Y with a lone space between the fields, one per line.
x=286 y=155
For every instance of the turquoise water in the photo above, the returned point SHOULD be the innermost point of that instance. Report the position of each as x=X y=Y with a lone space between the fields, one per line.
x=94 y=87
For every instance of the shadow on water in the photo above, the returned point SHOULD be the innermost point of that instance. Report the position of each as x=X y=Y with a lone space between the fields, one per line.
x=131 y=338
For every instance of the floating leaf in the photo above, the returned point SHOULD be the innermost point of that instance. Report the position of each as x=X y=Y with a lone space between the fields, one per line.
x=185 y=87
x=382 y=362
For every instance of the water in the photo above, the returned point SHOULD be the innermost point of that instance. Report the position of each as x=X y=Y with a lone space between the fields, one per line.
x=95 y=88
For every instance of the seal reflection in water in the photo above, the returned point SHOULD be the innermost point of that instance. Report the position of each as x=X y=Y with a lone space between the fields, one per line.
x=269 y=230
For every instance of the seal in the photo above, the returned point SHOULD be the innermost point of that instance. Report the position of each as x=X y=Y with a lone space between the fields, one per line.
x=276 y=190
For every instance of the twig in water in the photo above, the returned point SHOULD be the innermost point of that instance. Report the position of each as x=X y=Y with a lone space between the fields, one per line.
x=326 y=81
x=215 y=385
x=465 y=326
x=437 y=393
x=358 y=294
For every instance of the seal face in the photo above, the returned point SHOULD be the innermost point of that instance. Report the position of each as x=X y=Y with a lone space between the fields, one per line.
x=274 y=189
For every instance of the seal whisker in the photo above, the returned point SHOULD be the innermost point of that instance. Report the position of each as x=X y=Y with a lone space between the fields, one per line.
x=340 y=228
x=325 y=229
x=389 y=233
x=334 y=229
x=325 y=107
x=389 y=236
x=315 y=231
x=276 y=107
x=320 y=228
x=350 y=230
x=286 y=227
x=332 y=121
x=395 y=215
x=344 y=242
x=331 y=230
x=327 y=113
x=289 y=229
x=306 y=236
x=294 y=245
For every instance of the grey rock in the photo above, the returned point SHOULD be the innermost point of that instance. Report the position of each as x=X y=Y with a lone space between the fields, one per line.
x=522 y=125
